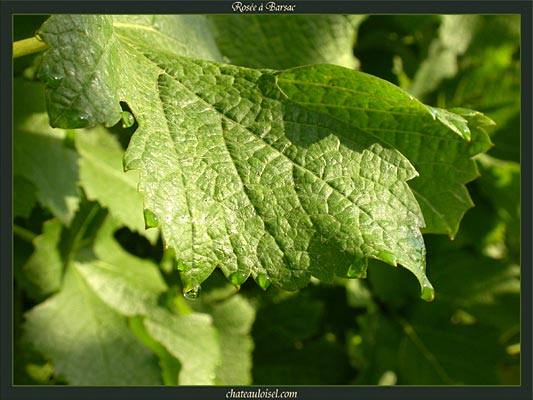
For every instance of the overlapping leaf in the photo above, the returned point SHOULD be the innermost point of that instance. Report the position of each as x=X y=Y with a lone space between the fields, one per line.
x=89 y=342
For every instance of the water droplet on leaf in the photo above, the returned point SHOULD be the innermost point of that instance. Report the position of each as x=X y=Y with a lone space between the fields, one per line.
x=428 y=293
x=50 y=78
x=74 y=119
x=180 y=266
x=263 y=281
x=127 y=119
x=192 y=294
x=84 y=118
x=151 y=220
x=54 y=80
x=357 y=270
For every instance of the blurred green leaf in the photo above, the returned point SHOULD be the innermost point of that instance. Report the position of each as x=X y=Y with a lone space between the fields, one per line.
x=103 y=179
x=87 y=341
x=233 y=319
x=40 y=155
x=24 y=195
x=42 y=274
x=454 y=37
x=292 y=348
x=192 y=339
x=285 y=41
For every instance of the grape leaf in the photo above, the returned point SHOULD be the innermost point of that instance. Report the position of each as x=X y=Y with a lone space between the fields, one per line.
x=88 y=342
x=236 y=174
x=133 y=287
x=455 y=35
x=41 y=275
x=285 y=41
x=40 y=154
x=192 y=339
x=24 y=193
x=296 y=352
x=475 y=316
x=233 y=319
x=185 y=35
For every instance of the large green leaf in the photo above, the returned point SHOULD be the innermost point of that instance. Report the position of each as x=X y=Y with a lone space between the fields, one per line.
x=241 y=177
x=184 y=35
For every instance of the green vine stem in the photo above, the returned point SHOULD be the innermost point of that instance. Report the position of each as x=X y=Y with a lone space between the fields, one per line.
x=28 y=46
x=24 y=233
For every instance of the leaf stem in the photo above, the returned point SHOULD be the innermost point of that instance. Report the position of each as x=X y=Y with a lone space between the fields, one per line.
x=28 y=46
x=24 y=233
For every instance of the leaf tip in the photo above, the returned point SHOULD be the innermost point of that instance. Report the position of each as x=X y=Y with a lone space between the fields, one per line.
x=238 y=278
x=263 y=281
x=131 y=164
x=388 y=258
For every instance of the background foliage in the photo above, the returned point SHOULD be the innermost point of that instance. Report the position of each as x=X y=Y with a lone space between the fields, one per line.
x=81 y=318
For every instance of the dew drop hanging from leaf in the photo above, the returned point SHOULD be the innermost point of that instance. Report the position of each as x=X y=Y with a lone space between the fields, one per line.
x=51 y=78
x=127 y=119
x=192 y=294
